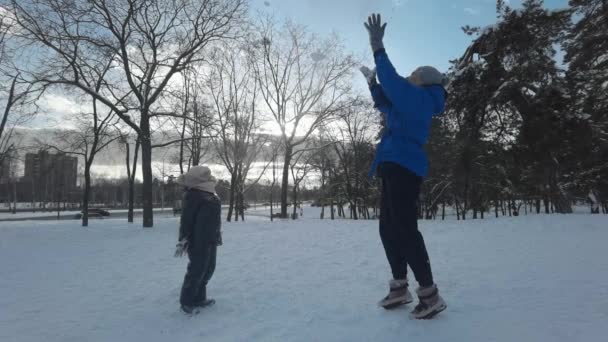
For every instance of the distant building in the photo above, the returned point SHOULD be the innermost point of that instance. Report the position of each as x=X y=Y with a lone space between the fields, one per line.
x=7 y=164
x=51 y=172
x=5 y=170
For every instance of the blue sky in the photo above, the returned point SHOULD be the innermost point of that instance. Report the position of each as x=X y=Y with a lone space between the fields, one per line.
x=419 y=32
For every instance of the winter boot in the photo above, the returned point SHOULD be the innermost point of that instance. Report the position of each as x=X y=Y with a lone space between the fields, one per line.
x=397 y=296
x=190 y=310
x=430 y=303
x=203 y=301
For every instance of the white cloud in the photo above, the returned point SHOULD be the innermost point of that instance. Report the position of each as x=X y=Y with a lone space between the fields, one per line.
x=471 y=11
x=59 y=110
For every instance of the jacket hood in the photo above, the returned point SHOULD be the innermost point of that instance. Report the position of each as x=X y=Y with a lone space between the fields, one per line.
x=198 y=177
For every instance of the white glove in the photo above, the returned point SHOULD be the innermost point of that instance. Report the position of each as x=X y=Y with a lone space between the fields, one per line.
x=370 y=74
x=181 y=248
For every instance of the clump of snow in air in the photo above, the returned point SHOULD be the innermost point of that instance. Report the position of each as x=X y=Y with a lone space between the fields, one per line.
x=267 y=3
x=526 y=278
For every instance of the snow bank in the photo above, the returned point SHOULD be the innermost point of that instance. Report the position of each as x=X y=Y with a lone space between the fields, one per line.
x=534 y=278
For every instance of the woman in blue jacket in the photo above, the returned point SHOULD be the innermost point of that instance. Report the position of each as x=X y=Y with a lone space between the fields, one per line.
x=408 y=105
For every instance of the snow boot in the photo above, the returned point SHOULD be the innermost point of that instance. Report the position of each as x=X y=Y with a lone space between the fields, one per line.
x=196 y=308
x=190 y=310
x=398 y=295
x=205 y=303
x=430 y=303
x=202 y=300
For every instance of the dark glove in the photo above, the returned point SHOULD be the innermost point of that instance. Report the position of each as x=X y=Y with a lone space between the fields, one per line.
x=181 y=248
x=375 y=29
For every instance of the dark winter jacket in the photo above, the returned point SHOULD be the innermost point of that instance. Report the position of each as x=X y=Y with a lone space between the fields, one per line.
x=408 y=111
x=201 y=219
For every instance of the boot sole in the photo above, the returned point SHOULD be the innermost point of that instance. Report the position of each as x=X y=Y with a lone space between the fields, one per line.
x=395 y=305
x=207 y=303
x=433 y=313
x=197 y=309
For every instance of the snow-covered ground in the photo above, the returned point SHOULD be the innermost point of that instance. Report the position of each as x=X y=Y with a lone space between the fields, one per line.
x=528 y=278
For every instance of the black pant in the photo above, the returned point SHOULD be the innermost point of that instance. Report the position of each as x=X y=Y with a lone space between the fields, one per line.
x=403 y=242
x=200 y=270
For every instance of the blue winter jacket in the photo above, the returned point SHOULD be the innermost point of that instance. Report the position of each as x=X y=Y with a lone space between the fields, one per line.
x=408 y=110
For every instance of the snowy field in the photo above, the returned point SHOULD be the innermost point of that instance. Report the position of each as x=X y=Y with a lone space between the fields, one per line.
x=534 y=278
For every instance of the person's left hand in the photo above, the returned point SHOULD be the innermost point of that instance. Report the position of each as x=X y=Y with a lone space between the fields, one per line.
x=375 y=29
x=369 y=74
x=181 y=248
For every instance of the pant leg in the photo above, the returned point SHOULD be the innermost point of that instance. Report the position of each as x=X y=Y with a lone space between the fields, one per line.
x=211 y=267
x=201 y=295
x=389 y=235
x=404 y=190
x=194 y=280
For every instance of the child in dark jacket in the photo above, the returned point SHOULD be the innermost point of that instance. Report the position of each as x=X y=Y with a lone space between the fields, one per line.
x=199 y=236
x=408 y=105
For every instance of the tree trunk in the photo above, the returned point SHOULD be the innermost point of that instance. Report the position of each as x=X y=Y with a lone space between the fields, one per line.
x=295 y=202
x=285 y=180
x=146 y=165
x=559 y=199
x=271 y=204
x=242 y=205
x=132 y=182
x=87 y=191
x=232 y=193
x=14 y=196
x=181 y=146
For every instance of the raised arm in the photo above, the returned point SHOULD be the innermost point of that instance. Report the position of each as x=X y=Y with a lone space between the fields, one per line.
x=398 y=90
x=380 y=101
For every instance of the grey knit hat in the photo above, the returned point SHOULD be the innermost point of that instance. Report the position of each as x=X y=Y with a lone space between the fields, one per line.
x=426 y=76
x=198 y=177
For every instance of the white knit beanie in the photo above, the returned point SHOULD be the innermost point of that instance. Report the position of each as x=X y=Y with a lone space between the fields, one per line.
x=427 y=76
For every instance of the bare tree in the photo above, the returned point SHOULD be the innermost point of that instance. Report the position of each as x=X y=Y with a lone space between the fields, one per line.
x=353 y=134
x=131 y=169
x=238 y=141
x=94 y=131
x=303 y=80
x=196 y=122
x=148 y=41
x=300 y=168
x=16 y=95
